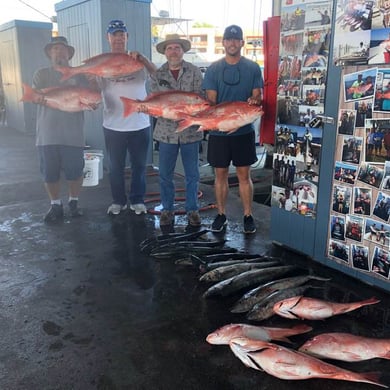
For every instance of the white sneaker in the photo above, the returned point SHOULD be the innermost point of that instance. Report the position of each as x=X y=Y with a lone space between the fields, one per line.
x=138 y=208
x=115 y=209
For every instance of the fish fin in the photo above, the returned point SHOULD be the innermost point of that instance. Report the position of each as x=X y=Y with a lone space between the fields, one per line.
x=373 y=377
x=284 y=339
x=28 y=93
x=129 y=106
x=183 y=124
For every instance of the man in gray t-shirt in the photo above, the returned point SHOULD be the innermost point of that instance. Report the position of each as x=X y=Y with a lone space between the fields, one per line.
x=60 y=137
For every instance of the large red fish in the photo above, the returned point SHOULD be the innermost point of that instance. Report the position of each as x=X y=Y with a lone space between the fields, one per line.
x=168 y=104
x=66 y=98
x=346 y=347
x=226 y=333
x=285 y=363
x=106 y=65
x=300 y=307
x=227 y=117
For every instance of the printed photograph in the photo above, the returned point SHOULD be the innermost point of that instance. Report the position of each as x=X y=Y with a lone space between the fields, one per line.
x=341 y=199
x=305 y=197
x=382 y=206
x=381 y=262
x=386 y=180
x=359 y=257
x=346 y=123
x=351 y=48
x=377 y=232
x=363 y=111
x=345 y=172
x=377 y=139
x=382 y=93
x=371 y=174
x=352 y=149
x=338 y=250
x=337 y=227
x=359 y=85
x=380 y=46
x=354 y=228
x=362 y=201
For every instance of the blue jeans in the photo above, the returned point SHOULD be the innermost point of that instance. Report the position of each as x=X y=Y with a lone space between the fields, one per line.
x=190 y=158
x=136 y=143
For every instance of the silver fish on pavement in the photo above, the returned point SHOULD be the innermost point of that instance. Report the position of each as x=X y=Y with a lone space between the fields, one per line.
x=225 y=272
x=264 y=309
x=256 y=295
x=246 y=279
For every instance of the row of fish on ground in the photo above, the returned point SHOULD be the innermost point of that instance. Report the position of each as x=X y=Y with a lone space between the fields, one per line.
x=187 y=108
x=271 y=288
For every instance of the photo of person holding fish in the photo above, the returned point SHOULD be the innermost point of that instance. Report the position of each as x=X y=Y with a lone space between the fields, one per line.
x=174 y=75
x=59 y=127
x=230 y=79
x=125 y=134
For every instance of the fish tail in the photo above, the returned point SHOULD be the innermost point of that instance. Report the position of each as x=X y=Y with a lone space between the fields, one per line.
x=371 y=301
x=29 y=94
x=373 y=378
x=129 y=106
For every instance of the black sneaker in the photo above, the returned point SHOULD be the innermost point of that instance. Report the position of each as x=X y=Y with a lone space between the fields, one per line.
x=219 y=223
x=249 y=224
x=74 y=210
x=55 y=214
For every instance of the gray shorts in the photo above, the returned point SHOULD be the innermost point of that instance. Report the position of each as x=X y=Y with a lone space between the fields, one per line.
x=56 y=158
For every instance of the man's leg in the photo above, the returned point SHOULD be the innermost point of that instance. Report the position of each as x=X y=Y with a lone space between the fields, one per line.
x=245 y=188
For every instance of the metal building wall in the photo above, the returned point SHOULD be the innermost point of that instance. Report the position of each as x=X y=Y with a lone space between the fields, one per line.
x=21 y=54
x=84 y=23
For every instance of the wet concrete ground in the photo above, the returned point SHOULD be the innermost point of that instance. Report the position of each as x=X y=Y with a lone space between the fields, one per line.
x=82 y=308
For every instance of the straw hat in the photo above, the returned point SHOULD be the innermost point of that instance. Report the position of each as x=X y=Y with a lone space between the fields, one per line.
x=173 y=38
x=59 y=41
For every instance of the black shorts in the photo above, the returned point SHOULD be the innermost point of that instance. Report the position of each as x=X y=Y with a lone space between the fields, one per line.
x=239 y=149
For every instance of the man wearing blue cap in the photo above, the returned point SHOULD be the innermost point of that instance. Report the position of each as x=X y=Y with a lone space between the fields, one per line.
x=129 y=134
x=233 y=78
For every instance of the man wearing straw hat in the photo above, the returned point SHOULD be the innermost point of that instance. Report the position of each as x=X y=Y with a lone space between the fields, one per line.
x=60 y=138
x=177 y=74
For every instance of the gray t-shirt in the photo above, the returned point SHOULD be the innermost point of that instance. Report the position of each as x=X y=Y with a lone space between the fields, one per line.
x=55 y=127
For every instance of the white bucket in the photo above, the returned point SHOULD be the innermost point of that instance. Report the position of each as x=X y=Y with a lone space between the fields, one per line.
x=98 y=154
x=91 y=171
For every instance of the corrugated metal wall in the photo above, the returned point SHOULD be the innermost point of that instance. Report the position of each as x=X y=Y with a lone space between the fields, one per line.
x=21 y=54
x=84 y=23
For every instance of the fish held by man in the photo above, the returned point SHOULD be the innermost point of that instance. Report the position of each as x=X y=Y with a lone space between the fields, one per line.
x=346 y=347
x=64 y=98
x=226 y=333
x=300 y=307
x=167 y=104
x=106 y=65
x=226 y=117
x=285 y=363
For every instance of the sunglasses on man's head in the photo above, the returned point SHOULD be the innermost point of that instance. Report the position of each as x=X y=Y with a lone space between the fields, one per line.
x=116 y=25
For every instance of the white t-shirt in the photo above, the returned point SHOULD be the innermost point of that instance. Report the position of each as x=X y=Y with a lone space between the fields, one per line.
x=133 y=87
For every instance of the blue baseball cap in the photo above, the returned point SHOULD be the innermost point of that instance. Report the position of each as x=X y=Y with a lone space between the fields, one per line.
x=233 y=32
x=116 y=25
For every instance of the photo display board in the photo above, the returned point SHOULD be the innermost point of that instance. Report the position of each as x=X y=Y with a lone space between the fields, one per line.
x=303 y=62
x=359 y=224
